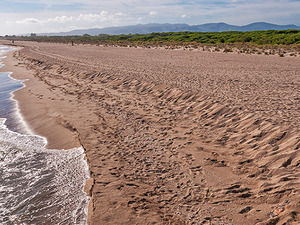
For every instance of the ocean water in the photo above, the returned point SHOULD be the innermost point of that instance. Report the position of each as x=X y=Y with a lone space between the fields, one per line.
x=37 y=185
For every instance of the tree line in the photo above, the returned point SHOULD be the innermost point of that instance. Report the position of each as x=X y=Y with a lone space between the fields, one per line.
x=267 y=37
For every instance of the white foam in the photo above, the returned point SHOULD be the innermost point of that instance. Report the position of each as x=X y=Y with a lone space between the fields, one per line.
x=26 y=157
x=18 y=116
x=25 y=160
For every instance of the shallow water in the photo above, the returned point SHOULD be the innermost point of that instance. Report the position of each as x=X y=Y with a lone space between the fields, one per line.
x=37 y=185
x=8 y=107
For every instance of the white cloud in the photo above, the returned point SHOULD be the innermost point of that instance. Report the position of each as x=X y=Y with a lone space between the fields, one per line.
x=27 y=21
x=93 y=17
x=59 y=19
x=152 y=13
x=62 y=16
x=36 y=23
x=184 y=16
x=104 y=13
x=103 y=16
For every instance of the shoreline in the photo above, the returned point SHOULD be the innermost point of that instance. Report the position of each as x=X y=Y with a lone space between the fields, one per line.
x=43 y=124
x=76 y=157
x=18 y=114
x=57 y=133
x=159 y=151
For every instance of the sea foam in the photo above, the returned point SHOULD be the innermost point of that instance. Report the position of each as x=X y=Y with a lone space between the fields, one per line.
x=38 y=185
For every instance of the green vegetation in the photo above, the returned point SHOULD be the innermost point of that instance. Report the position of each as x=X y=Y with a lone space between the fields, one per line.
x=285 y=37
x=257 y=42
x=257 y=37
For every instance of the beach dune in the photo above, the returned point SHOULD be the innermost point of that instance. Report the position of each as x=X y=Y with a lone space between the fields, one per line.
x=170 y=136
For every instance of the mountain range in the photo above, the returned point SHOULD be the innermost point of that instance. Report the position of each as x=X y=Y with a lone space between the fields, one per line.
x=166 y=27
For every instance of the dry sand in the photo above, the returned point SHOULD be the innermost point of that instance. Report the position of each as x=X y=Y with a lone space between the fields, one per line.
x=171 y=137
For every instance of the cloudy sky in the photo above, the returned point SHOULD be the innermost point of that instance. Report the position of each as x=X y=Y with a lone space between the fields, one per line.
x=39 y=16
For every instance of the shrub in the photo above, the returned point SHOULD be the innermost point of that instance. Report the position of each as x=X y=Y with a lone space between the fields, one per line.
x=227 y=50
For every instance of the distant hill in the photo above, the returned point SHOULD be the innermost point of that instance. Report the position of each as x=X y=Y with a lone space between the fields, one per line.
x=166 y=27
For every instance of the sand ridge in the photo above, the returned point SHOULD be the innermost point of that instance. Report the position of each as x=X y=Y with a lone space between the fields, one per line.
x=167 y=147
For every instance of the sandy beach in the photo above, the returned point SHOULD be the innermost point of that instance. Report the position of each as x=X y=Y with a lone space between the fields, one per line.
x=170 y=136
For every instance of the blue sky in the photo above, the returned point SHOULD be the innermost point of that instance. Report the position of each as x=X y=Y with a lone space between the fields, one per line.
x=39 y=16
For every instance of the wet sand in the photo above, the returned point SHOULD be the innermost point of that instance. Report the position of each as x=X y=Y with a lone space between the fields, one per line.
x=174 y=137
x=38 y=113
